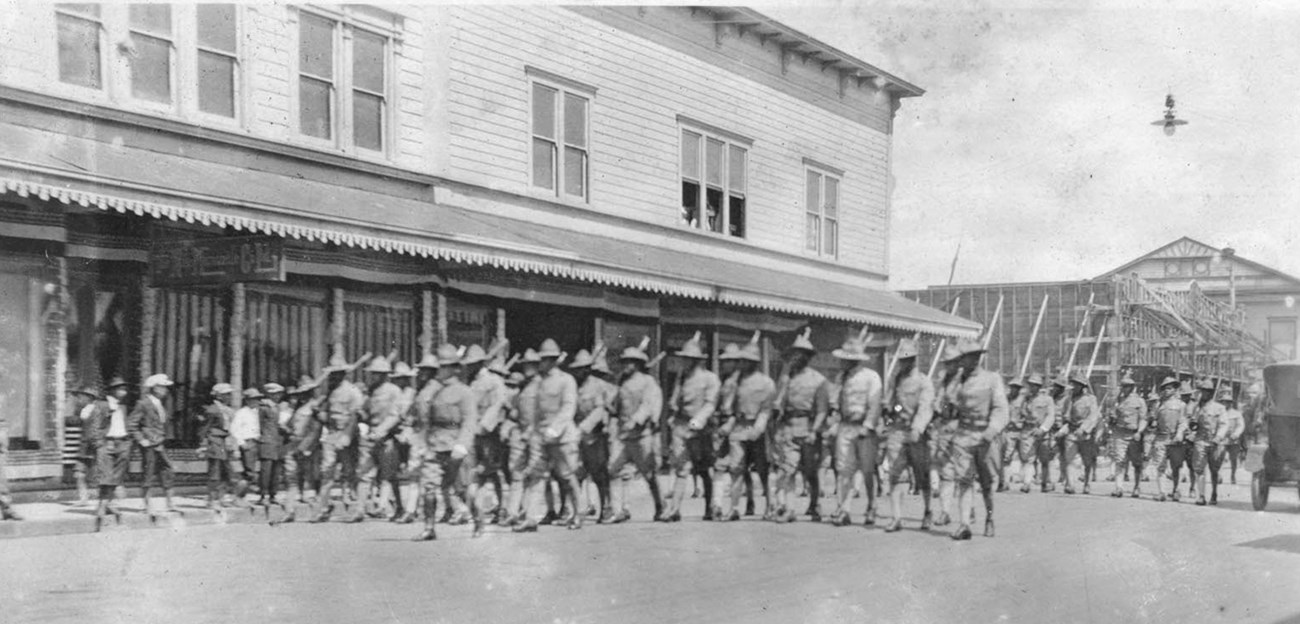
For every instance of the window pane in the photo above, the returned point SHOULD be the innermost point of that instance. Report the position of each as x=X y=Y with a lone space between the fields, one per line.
x=367 y=121
x=543 y=111
x=832 y=198
x=368 y=61
x=690 y=203
x=315 y=108
x=575 y=171
x=575 y=120
x=79 y=51
x=813 y=201
x=736 y=217
x=316 y=46
x=152 y=18
x=812 y=231
x=690 y=155
x=713 y=162
x=151 y=69
x=713 y=209
x=543 y=163
x=736 y=170
x=216 y=84
x=217 y=26
x=830 y=239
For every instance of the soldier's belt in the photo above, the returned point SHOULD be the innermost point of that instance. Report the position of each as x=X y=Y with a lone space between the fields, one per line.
x=794 y=415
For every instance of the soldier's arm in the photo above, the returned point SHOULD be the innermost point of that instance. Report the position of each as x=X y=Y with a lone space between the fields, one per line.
x=468 y=423
x=765 y=409
x=1238 y=427
x=924 y=408
x=134 y=423
x=1093 y=418
x=875 y=391
x=389 y=418
x=491 y=415
x=651 y=403
x=1142 y=417
x=710 y=404
x=1050 y=420
x=821 y=401
x=998 y=411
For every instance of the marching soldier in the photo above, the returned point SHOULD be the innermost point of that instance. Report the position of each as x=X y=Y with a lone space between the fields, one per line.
x=910 y=408
x=639 y=402
x=981 y=406
x=341 y=412
x=418 y=417
x=857 y=436
x=1232 y=425
x=112 y=443
x=524 y=446
x=1180 y=449
x=1169 y=426
x=1010 y=438
x=1128 y=424
x=746 y=430
x=447 y=438
x=803 y=400
x=1207 y=431
x=148 y=425
x=490 y=451
x=391 y=442
x=943 y=429
x=245 y=429
x=595 y=402
x=729 y=373
x=301 y=461
x=378 y=414
x=1081 y=419
x=1033 y=444
x=512 y=436
x=213 y=430
x=1061 y=395
x=690 y=408
x=557 y=402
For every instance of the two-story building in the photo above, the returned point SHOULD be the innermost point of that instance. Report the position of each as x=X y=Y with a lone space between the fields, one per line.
x=230 y=192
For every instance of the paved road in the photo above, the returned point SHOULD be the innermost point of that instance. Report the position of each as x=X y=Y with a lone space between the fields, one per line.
x=1056 y=559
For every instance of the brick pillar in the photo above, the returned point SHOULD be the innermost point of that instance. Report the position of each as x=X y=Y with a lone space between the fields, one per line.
x=338 y=322
x=501 y=324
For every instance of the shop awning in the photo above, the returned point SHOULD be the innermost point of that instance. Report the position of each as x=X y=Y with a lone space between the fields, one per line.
x=406 y=219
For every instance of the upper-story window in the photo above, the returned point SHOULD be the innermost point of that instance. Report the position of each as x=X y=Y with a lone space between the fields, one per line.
x=81 y=43
x=218 y=58
x=822 y=211
x=714 y=179
x=343 y=82
x=152 y=52
x=560 y=129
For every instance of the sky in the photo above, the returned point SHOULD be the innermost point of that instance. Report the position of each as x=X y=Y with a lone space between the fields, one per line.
x=1032 y=145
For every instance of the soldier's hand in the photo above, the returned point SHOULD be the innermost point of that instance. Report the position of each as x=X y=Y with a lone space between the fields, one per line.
x=459 y=452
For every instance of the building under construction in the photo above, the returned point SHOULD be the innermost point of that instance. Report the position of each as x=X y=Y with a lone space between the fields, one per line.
x=1109 y=325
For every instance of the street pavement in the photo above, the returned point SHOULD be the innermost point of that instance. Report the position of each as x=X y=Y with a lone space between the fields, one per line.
x=1056 y=558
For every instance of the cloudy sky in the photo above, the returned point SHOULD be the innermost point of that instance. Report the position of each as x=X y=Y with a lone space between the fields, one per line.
x=1033 y=145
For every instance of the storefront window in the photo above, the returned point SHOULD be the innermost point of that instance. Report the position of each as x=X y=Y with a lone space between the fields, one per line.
x=15 y=356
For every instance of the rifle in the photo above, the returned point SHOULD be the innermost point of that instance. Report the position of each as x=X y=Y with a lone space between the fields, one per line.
x=938 y=354
x=993 y=325
x=1078 y=337
x=1033 y=337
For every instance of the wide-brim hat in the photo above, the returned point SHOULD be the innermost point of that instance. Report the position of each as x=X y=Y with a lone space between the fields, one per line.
x=530 y=357
x=448 y=355
x=515 y=380
x=582 y=360
x=1127 y=380
x=803 y=342
x=1035 y=380
x=252 y=393
x=402 y=369
x=1205 y=384
x=549 y=349
x=969 y=346
x=1016 y=382
x=950 y=353
x=429 y=361
x=729 y=352
x=1225 y=395
x=1168 y=381
x=339 y=364
x=272 y=388
x=633 y=353
x=692 y=349
x=222 y=388
x=1185 y=388
x=906 y=349
x=305 y=384
x=159 y=380
x=379 y=364
x=88 y=391
x=115 y=382
x=601 y=366
x=1078 y=378
x=852 y=350
x=1060 y=381
x=750 y=353
x=473 y=355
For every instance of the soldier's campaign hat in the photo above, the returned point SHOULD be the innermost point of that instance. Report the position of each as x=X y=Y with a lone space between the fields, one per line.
x=448 y=355
x=950 y=353
x=473 y=355
x=1016 y=383
x=1185 y=388
x=582 y=360
x=1167 y=381
x=853 y=349
x=1205 y=384
x=906 y=349
x=428 y=361
x=1060 y=381
x=115 y=382
x=305 y=384
x=1035 y=380
x=549 y=349
x=1078 y=378
x=968 y=346
x=803 y=342
x=1127 y=380
x=160 y=379
x=379 y=365
x=636 y=352
x=500 y=366
x=88 y=391
x=252 y=393
x=729 y=352
x=272 y=388
x=601 y=365
x=339 y=364
x=1225 y=395
x=692 y=349
x=222 y=388
x=403 y=370
x=530 y=357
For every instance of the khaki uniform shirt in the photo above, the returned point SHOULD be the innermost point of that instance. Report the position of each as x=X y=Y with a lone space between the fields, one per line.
x=803 y=399
x=639 y=402
x=557 y=404
x=755 y=400
x=596 y=399
x=913 y=401
x=342 y=411
x=1130 y=412
x=1170 y=418
x=857 y=398
x=695 y=398
x=981 y=402
x=1039 y=411
x=490 y=392
x=453 y=419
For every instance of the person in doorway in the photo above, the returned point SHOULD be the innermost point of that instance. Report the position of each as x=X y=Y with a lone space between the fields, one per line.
x=148 y=424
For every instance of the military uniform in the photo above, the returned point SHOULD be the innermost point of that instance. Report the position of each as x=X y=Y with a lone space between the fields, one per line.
x=1011 y=436
x=857 y=442
x=912 y=402
x=1082 y=416
x=755 y=398
x=691 y=408
x=1207 y=429
x=1126 y=440
x=214 y=431
x=445 y=441
x=490 y=450
x=302 y=457
x=1037 y=417
x=339 y=417
x=558 y=436
x=596 y=399
x=980 y=401
x=803 y=401
x=1169 y=427
x=270 y=448
x=639 y=402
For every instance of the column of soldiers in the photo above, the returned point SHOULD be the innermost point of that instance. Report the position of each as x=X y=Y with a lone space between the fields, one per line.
x=433 y=442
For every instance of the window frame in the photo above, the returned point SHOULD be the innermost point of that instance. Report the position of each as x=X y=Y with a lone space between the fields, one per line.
x=240 y=87
x=826 y=173
x=173 y=105
x=343 y=139
x=105 y=69
x=729 y=141
x=1295 y=336
x=563 y=87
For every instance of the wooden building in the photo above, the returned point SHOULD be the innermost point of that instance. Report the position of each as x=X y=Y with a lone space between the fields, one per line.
x=229 y=192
